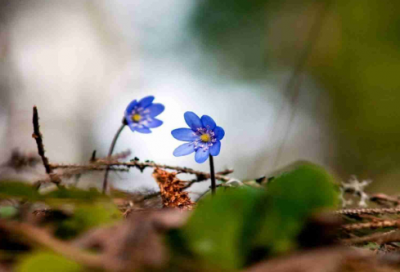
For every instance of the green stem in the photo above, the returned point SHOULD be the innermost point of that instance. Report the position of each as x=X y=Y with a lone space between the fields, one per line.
x=105 y=182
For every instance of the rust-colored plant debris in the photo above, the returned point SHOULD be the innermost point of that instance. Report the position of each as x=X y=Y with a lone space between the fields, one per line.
x=171 y=189
x=129 y=231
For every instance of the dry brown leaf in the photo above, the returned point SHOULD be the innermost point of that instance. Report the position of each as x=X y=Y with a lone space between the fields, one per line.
x=171 y=189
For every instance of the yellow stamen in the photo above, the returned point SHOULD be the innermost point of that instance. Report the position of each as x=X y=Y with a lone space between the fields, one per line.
x=205 y=138
x=136 y=117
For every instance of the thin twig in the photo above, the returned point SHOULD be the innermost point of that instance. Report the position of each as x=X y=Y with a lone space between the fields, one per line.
x=225 y=172
x=39 y=140
x=383 y=199
x=152 y=195
x=190 y=183
x=74 y=172
x=368 y=211
x=116 y=157
x=139 y=164
x=380 y=238
x=372 y=225
x=93 y=157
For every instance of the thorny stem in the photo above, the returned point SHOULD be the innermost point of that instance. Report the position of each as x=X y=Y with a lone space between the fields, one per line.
x=39 y=140
x=114 y=141
x=212 y=173
x=220 y=175
x=367 y=211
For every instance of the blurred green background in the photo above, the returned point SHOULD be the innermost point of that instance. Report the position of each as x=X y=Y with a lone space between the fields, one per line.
x=288 y=80
x=351 y=49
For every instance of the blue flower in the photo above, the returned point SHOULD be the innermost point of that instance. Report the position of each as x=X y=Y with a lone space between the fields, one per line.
x=203 y=136
x=140 y=116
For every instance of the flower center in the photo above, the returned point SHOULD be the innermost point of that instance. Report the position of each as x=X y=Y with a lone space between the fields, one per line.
x=136 y=117
x=205 y=138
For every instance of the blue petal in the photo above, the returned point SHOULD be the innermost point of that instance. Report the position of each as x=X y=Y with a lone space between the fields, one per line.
x=184 y=134
x=130 y=107
x=128 y=118
x=184 y=149
x=214 y=150
x=201 y=155
x=219 y=133
x=208 y=122
x=155 y=109
x=192 y=120
x=146 y=101
x=154 y=123
x=143 y=130
x=130 y=125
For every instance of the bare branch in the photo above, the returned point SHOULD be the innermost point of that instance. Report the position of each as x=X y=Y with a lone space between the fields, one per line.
x=69 y=173
x=384 y=200
x=380 y=238
x=367 y=211
x=372 y=225
x=39 y=140
x=140 y=165
x=115 y=157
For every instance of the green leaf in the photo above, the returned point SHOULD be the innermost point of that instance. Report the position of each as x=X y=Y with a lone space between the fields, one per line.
x=59 y=197
x=75 y=194
x=241 y=225
x=372 y=246
x=47 y=262
x=8 y=211
x=24 y=190
x=16 y=189
x=87 y=216
x=290 y=199
x=215 y=229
